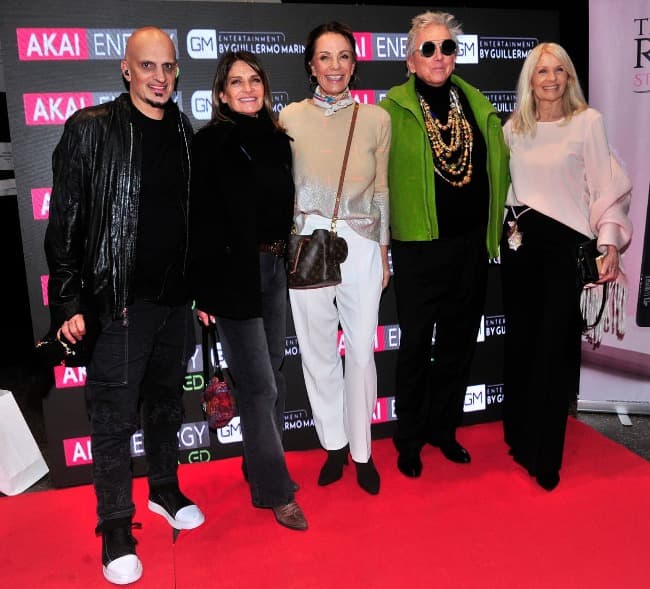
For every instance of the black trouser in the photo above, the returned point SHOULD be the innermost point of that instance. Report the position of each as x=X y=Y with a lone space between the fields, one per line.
x=136 y=376
x=254 y=351
x=441 y=283
x=542 y=341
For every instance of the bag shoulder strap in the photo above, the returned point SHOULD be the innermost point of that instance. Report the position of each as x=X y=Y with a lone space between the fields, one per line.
x=585 y=325
x=344 y=166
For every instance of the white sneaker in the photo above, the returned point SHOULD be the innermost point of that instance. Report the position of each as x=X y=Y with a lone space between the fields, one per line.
x=123 y=570
x=186 y=518
x=120 y=563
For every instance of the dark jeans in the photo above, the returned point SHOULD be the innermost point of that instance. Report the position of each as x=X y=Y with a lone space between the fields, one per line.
x=254 y=351
x=542 y=341
x=135 y=377
x=442 y=283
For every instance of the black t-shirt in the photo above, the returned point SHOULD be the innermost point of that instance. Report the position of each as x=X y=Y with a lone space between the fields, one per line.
x=162 y=233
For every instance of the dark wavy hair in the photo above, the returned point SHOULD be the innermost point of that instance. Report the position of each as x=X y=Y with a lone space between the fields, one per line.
x=329 y=27
x=224 y=65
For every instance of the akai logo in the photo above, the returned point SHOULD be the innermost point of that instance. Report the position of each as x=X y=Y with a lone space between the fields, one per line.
x=51 y=44
x=67 y=377
x=45 y=278
x=54 y=108
x=363 y=46
x=41 y=203
x=364 y=96
x=77 y=451
x=384 y=410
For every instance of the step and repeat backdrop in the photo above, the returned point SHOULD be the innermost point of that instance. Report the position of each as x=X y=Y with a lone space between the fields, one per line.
x=60 y=56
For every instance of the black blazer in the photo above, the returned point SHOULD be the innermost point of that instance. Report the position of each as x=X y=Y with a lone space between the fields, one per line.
x=227 y=180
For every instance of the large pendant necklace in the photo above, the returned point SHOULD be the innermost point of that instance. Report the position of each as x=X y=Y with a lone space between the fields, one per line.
x=515 y=238
x=452 y=158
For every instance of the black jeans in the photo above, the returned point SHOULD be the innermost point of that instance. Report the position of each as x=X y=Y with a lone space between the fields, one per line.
x=443 y=283
x=254 y=351
x=135 y=377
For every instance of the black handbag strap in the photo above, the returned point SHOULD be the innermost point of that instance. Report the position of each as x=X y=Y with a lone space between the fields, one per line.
x=343 y=167
x=209 y=339
x=585 y=326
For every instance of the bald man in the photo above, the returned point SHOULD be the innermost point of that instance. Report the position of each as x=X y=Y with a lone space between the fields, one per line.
x=116 y=250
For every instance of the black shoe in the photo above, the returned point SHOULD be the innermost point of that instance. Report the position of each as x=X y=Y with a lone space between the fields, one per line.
x=548 y=480
x=367 y=476
x=178 y=510
x=120 y=564
x=453 y=451
x=409 y=463
x=332 y=470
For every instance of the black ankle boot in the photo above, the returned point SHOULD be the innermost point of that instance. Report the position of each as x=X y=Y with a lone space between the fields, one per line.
x=367 y=476
x=548 y=480
x=332 y=470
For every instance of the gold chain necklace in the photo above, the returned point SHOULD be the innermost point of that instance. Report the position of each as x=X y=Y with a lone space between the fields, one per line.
x=452 y=161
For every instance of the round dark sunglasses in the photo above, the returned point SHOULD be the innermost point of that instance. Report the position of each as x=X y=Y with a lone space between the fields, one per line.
x=447 y=47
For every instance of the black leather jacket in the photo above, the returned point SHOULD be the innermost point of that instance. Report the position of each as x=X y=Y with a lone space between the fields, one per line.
x=90 y=240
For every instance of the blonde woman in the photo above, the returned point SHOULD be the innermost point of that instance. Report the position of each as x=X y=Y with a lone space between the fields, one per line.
x=566 y=188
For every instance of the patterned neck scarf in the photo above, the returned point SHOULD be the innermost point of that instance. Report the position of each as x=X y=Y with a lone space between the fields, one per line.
x=332 y=103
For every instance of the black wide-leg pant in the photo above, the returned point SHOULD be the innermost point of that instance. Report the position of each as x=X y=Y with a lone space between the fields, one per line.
x=439 y=283
x=543 y=338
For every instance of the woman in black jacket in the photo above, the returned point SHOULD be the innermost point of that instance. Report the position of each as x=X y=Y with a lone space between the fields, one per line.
x=240 y=213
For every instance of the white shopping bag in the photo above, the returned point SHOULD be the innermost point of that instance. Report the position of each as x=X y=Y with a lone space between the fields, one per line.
x=21 y=461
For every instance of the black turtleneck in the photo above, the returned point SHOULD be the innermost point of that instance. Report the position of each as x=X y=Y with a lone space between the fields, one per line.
x=462 y=209
x=267 y=149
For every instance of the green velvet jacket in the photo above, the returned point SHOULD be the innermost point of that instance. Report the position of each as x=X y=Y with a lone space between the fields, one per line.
x=410 y=170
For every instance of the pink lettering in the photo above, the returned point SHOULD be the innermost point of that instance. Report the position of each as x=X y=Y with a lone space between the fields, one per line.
x=41 y=203
x=52 y=44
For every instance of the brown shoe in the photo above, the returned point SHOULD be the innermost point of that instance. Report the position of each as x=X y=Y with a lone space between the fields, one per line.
x=290 y=516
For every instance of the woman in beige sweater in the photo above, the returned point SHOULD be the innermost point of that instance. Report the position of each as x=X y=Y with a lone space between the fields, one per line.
x=342 y=401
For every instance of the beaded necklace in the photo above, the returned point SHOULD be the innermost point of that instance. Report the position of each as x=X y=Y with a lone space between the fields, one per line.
x=451 y=161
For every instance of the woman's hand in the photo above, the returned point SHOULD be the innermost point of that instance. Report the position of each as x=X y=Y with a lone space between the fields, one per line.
x=385 y=266
x=205 y=318
x=608 y=270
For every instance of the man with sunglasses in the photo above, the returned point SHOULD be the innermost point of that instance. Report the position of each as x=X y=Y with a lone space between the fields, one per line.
x=448 y=177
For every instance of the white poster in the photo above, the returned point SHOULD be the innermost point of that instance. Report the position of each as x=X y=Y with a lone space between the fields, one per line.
x=616 y=375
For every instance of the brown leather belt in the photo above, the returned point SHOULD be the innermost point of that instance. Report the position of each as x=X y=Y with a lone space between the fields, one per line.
x=277 y=248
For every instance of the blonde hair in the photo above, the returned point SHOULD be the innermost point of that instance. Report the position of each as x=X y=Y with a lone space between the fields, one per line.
x=524 y=118
x=443 y=19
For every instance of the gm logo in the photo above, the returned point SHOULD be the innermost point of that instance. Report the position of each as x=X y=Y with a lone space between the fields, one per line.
x=202 y=105
x=231 y=432
x=467 y=49
x=202 y=44
x=474 y=398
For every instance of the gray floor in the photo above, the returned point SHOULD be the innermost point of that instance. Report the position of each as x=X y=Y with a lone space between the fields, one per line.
x=28 y=390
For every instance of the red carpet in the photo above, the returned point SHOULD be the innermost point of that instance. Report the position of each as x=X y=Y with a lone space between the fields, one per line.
x=485 y=525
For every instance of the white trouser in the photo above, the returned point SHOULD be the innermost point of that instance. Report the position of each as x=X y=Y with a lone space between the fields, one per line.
x=342 y=406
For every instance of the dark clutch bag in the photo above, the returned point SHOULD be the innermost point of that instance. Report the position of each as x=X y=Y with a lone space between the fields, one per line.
x=588 y=274
x=314 y=261
x=587 y=263
x=51 y=351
